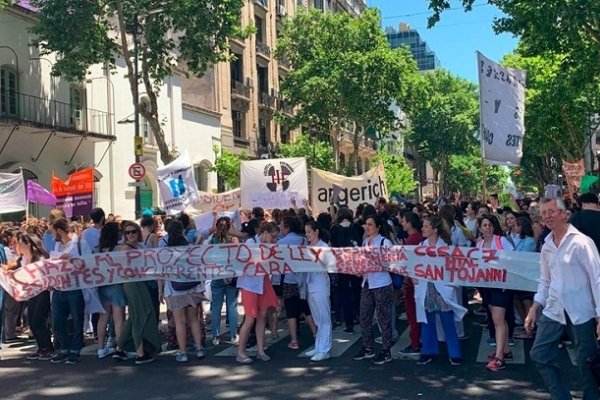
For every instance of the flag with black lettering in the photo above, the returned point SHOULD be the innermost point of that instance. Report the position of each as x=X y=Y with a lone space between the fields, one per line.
x=502 y=112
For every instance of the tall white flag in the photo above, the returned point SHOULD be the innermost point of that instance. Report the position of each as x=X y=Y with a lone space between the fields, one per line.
x=177 y=185
x=12 y=193
x=502 y=109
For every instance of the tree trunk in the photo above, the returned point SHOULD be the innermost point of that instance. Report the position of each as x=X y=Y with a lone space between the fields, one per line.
x=150 y=115
x=336 y=144
x=355 y=142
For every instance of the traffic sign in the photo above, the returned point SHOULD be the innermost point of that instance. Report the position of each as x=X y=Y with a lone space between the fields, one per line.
x=137 y=171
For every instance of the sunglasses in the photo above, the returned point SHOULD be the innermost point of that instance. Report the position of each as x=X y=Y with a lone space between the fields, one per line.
x=131 y=232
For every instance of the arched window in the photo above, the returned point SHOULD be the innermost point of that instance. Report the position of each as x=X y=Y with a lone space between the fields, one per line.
x=201 y=173
x=77 y=99
x=145 y=129
x=8 y=92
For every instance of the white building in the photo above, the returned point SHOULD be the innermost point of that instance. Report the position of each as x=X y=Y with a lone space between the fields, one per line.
x=49 y=125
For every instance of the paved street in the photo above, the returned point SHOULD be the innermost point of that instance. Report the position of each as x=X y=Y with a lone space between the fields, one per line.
x=287 y=376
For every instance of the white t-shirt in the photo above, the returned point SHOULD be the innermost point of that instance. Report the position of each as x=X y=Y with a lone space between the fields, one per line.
x=92 y=237
x=377 y=279
x=254 y=284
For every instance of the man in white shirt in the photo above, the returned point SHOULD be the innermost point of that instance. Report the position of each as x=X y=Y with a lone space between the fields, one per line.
x=569 y=294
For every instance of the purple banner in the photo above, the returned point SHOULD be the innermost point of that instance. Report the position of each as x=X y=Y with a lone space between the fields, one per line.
x=79 y=204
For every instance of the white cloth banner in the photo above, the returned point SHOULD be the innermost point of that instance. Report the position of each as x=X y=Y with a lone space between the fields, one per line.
x=365 y=188
x=177 y=185
x=274 y=183
x=502 y=108
x=455 y=265
x=12 y=193
x=226 y=201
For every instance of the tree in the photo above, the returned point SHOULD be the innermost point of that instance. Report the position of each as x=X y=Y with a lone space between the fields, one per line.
x=557 y=115
x=464 y=175
x=345 y=75
x=444 y=119
x=318 y=153
x=227 y=166
x=172 y=34
x=399 y=177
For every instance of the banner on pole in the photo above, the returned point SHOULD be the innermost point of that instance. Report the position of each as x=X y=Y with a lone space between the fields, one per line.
x=350 y=191
x=574 y=172
x=12 y=193
x=177 y=185
x=274 y=183
x=454 y=265
x=39 y=195
x=502 y=109
x=217 y=202
x=75 y=195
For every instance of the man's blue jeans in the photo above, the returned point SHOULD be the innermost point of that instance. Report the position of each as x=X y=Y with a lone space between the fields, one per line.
x=221 y=291
x=545 y=354
x=1 y=310
x=65 y=303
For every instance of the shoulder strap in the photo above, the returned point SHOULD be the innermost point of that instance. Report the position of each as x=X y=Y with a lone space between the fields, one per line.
x=146 y=241
x=382 y=242
x=79 y=247
x=498 y=240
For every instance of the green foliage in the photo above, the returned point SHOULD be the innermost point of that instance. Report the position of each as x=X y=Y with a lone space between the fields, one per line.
x=399 y=176
x=444 y=118
x=172 y=34
x=343 y=72
x=464 y=175
x=227 y=166
x=318 y=153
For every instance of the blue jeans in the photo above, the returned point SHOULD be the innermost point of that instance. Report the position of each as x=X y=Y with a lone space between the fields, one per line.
x=429 y=337
x=65 y=303
x=545 y=355
x=220 y=291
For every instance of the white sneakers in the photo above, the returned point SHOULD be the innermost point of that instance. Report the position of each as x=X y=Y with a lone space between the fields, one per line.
x=320 y=357
x=310 y=353
x=105 y=352
x=181 y=357
x=216 y=341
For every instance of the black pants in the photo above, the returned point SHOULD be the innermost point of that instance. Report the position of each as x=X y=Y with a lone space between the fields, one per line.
x=38 y=313
x=347 y=295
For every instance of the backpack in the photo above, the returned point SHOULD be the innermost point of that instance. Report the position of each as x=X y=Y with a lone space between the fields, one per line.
x=397 y=279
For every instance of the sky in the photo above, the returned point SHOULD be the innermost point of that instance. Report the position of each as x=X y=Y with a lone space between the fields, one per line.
x=456 y=37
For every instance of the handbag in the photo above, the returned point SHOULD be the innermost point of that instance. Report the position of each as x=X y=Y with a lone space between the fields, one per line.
x=593 y=363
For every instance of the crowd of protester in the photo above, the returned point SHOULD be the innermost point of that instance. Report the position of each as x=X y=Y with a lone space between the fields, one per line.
x=125 y=318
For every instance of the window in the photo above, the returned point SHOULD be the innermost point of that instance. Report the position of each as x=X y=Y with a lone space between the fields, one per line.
x=238 y=124
x=263 y=133
x=263 y=79
x=77 y=96
x=8 y=92
x=259 y=29
x=201 y=173
x=145 y=130
x=237 y=68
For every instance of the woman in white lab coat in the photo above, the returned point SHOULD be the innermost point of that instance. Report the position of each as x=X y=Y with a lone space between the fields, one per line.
x=318 y=299
x=433 y=298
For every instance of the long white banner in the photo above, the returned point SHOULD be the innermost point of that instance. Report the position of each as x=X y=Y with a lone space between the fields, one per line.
x=365 y=188
x=273 y=183
x=455 y=265
x=502 y=105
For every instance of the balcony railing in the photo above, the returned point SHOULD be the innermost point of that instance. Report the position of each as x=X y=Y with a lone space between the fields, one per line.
x=53 y=114
x=285 y=107
x=284 y=62
x=263 y=49
x=267 y=101
x=238 y=88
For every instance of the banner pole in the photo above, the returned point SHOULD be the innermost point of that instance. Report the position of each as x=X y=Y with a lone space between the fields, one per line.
x=26 y=197
x=483 y=173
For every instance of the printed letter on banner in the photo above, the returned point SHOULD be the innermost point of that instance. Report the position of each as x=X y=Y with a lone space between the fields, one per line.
x=274 y=183
x=502 y=107
x=177 y=185
x=365 y=188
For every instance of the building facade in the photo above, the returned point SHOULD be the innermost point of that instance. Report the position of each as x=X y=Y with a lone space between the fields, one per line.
x=405 y=36
x=51 y=126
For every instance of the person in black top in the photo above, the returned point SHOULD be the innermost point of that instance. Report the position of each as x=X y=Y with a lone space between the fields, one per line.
x=588 y=219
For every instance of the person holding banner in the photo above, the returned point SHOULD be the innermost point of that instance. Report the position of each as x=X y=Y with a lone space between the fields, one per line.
x=377 y=295
x=140 y=332
x=498 y=301
x=257 y=298
x=318 y=299
x=38 y=307
x=437 y=298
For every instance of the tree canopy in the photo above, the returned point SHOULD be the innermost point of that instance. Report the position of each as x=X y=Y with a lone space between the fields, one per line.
x=345 y=75
x=318 y=153
x=399 y=177
x=174 y=34
x=444 y=118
